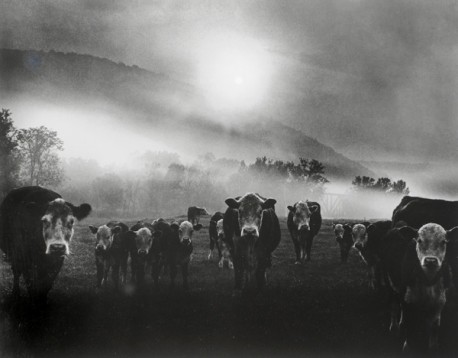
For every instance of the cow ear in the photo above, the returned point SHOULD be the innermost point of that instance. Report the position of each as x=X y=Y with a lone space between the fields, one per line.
x=80 y=212
x=269 y=203
x=313 y=208
x=93 y=229
x=370 y=229
x=291 y=208
x=35 y=208
x=197 y=227
x=408 y=232
x=130 y=235
x=157 y=234
x=333 y=225
x=452 y=234
x=232 y=203
x=116 y=230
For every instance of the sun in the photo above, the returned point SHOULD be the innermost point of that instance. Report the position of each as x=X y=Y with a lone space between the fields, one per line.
x=233 y=75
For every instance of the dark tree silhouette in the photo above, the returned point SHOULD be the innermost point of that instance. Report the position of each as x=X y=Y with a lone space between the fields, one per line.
x=9 y=164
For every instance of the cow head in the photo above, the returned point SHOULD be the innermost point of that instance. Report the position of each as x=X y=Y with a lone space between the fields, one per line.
x=249 y=209
x=202 y=211
x=143 y=240
x=57 y=224
x=338 y=231
x=185 y=231
x=431 y=244
x=302 y=213
x=359 y=233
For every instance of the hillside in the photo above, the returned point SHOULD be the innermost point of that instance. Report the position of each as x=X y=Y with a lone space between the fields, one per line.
x=159 y=107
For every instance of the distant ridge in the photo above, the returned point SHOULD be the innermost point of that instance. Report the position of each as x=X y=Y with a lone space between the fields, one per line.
x=160 y=103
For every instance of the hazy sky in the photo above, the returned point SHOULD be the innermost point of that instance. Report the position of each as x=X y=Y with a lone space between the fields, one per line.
x=367 y=77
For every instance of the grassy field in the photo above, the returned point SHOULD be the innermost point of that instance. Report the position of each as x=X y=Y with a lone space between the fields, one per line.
x=322 y=308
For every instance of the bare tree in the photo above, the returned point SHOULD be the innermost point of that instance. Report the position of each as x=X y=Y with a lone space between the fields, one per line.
x=9 y=167
x=38 y=150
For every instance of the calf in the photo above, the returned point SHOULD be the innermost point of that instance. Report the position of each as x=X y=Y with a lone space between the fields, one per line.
x=368 y=238
x=140 y=241
x=418 y=277
x=212 y=231
x=252 y=233
x=194 y=214
x=160 y=248
x=180 y=250
x=36 y=226
x=416 y=211
x=344 y=238
x=304 y=222
x=111 y=252
x=222 y=246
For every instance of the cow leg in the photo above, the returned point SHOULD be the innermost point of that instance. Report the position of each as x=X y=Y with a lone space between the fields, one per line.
x=395 y=311
x=100 y=266
x=221 y=262
x=371 y=277
x=260 y=278
x=434 y=335
x=308 y=248
x=105 y=272
x=230 y=264
x=16 y=277
x=297 y=248
x=238 y=274
x=184 y=273
x=155 y=268
x=115 y=273
x=173 y=274
x=212 y=247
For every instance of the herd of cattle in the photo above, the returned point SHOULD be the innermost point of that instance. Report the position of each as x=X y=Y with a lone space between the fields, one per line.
x=414 y=256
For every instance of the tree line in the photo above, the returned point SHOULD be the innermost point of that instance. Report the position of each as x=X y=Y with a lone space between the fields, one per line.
x=162 y=185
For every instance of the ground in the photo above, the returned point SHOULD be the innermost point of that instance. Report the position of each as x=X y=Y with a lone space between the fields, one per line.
x=321 y=308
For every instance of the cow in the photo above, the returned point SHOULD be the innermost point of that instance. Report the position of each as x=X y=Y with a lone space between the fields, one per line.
x=163 y=236
x=304 y=223
x=36 y=227
x=344 y=239
x=194 y=214
x=368 y=238
x=252 y=233
x=111 y=252
x=139 y=240
x=417 y=211
x=418 y=277
x=212 y=232
x=180 y=250
x=225 y=256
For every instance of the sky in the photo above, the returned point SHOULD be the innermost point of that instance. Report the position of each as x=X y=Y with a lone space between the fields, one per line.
x=376 y=80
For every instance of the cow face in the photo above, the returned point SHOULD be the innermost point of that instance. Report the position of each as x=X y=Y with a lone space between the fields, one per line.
x=185 y=231
x=338 y=231
x=359 y=237
x=302 y=213
x=249 y=210
x=431 y=244
x=57 y=225
x=104 y=238
x=143 y=241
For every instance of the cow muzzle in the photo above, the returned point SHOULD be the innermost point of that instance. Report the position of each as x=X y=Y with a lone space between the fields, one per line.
x=358 y=246
x=250 y=231
x=186 y=241
x=142 y=252
x=431 y=263
x=58 y=249
x=100 y=248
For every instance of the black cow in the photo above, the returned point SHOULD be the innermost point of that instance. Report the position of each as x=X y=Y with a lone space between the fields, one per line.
x=418 y=277
x=213 y=233
x=161 y=248
x=417 y=211
x=194 y=214
x=252 y=233
x=180 y=250
x=344 y=238
x=36 y=226
x=139 y=241
x=304 y=223
x=368 y=241
x=111 y=252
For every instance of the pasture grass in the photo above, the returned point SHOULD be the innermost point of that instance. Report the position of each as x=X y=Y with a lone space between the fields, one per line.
x=321 y=308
